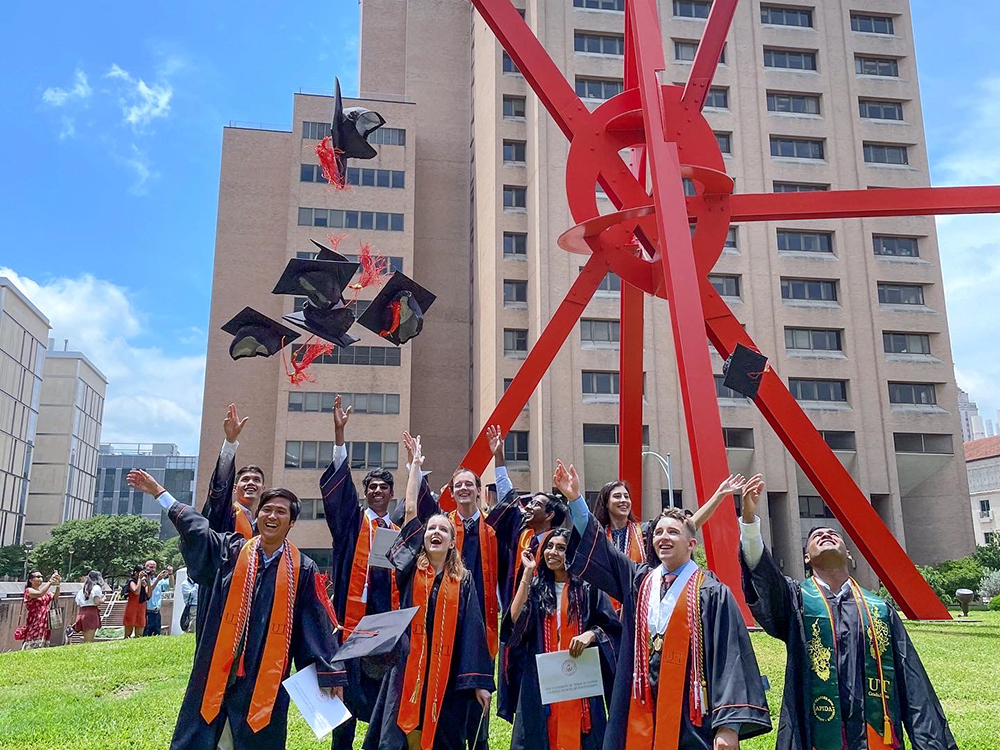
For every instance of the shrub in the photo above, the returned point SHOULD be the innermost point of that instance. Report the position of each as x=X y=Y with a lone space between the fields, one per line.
x=883 y=593
x=964 y=573
x=995 y=604
x=989 y=584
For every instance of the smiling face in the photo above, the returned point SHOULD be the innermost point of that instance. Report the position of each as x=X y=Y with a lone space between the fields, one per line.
x=673 y=542
x=535 y=515
x=826 y=547
x=619 y=504
x=378 y=493
x=439 y=536
x=554 y=554
x=274 y=520
x=465 y=487
x=249 y=485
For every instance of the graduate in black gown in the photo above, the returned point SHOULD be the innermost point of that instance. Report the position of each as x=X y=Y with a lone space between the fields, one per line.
x=444 y=662
x=837 y=693
x=685 y=666
x=519 y=525
x=267 y=608
x=554 y=611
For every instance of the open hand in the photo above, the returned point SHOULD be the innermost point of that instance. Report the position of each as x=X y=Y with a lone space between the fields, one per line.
x=733 y=483
x=751 y=497
x=408 y=443
x=340 y=415
x=232 y=424
x=528 y=562
x=567 y=480
x=580 y=642
x=495 y=437
x=417 y=458
x=140 y=480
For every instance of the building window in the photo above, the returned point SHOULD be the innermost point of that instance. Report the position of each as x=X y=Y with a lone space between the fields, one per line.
x=796 y=148
x=799 y=187
x=887 y=67
x=515 y=341
x=876 y=109
x=922 y=394
x=731 y=239
x=506 y=383
x=724 y=391
x=871 y=24
x=687 y=51
x=808 y=389
x=607 y=434
x=880 y=153
x=906 y=343
x=900 y=247
x=690 y=189
x=374 y=455
x=395 y=264
x=839 y=440
x=812 y=506
x=901 y=294
x=790 y=59
x=813 y=339
x=777 y=16
x=600 y=332
x=717 y=98
x=374 y=356
x=809 y=289
x=315 y=131
x=599 y=44
x=800 y=104
x=388 y=137
x=922 y=442
x=793 y=240
x=515 y=196
x=515 y=245
x=725 y=141
x=387 y=178
x=737 y=437
x=513 y=107
x=515 y=292
x=514 y=152
x=598 y=88
x=618 y=5
x=988 y=538
x=509 y=66
x=515 y=446
x=984 y=507
x=692 y=8
x=725 y=285
x=600 y=383
x=611 y=283
x=338 y=219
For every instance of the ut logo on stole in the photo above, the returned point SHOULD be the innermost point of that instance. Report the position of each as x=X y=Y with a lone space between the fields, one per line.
x=876 y=686
x=278 y=628
x=675 y=657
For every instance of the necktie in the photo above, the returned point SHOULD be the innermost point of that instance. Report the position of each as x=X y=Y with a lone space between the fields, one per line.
x=668 y=578
x=471 y=524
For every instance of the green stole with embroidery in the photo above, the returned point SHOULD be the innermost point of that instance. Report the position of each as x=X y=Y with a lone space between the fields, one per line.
x=880 y=682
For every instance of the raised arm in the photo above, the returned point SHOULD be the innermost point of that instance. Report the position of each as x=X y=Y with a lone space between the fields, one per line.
x=524 y=588
x=413 y=482
x=218 y=504
x=340 y=497
x=733 y=483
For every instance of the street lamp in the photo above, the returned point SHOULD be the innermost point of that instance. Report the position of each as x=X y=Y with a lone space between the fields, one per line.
x=665 y=465
x=69 y=570
x=28 y=546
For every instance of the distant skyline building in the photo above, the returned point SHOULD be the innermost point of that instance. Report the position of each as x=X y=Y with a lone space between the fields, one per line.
x=176 y=473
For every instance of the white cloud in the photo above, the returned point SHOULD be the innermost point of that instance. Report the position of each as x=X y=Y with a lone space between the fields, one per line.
x=153 y=396
x=138 y=162
x=68 y=128
x=140 y=102
x=57 y=97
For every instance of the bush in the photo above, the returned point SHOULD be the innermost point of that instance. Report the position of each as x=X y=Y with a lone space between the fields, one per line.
x=989 y=555
x=883 y=593
x=995 y=604
x=937 y=583
x=964 y=573
x=989 y=584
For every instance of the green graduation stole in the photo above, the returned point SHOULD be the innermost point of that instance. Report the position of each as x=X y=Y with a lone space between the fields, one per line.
x=821 y=646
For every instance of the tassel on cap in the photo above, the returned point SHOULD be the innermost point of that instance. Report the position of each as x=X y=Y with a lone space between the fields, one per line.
x=331 y=159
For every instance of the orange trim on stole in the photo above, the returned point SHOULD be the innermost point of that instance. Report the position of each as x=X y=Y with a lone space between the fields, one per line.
x=634 y=550
x=488 y=556
x=445 y=625
x=355 y=608
x=565 y=721
x=241 y=522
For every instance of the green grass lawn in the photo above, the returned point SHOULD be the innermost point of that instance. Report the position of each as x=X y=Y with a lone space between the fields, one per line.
x=125 y=694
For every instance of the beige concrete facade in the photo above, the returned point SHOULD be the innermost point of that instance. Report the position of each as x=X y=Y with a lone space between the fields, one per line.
x=67 y=440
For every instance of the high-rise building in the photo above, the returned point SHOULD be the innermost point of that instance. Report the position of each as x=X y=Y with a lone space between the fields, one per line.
x=24 y=331
x=176 y=473
x=968 y=413
x=851 y=313
x=64 y=464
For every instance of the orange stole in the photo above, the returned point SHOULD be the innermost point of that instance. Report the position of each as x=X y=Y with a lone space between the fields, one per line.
x=355 y=608
x=661 y=731
x=488 y=556
x=234 y=623
x=445 y=625
x=634 y=549
x=566 y=720
x=243 y=526
x=523 y=543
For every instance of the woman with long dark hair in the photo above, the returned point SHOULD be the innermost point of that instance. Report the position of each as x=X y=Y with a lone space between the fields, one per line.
x=89 y=599
x=445 y=662
x=613 y=510
x=554 y=611
x=38 y=597
x=134 y=593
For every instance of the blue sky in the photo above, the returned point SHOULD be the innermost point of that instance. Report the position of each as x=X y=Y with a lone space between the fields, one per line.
x=111 y=162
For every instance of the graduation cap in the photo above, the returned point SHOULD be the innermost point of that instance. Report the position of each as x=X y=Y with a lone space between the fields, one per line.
x=322 y=281
x=326 y=253
x=256 y=335
x=397 y=312
x=330 y=323
x=351 y=127
x=743 y=370
x=375 y=640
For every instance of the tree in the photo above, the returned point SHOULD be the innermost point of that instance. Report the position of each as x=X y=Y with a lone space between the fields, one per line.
x=12 y=561
x=989 y=555
x=110 y=544
x=171 y=554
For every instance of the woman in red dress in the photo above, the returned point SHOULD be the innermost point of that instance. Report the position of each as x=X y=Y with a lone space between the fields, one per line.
x=135 y=610
x=37 y=598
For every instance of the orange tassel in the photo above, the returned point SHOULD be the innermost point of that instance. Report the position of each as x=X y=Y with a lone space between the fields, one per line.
x=373 y=269
x=330 y=160
x=302 y=357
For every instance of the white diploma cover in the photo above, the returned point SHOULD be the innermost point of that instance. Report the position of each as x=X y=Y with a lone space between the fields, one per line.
x=381 y=544
x=563 y=678
x=322 y=713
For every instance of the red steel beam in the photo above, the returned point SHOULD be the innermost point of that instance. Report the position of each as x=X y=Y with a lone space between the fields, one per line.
x=710 y=48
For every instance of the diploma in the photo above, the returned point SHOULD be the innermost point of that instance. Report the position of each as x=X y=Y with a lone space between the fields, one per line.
x=383 y=541
x=563 y=678
x=322 y=712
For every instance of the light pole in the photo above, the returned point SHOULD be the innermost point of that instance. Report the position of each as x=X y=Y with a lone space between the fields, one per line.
x=69 y=570
x=27 y=553
x=665 y=465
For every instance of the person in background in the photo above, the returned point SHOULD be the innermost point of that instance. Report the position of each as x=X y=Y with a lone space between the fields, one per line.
x=134 y=593
x=163 y=581
x=189 y=592
x=89 y=599
x=38 y=597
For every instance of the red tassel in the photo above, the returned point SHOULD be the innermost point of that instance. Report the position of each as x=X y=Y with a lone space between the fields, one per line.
x=321 y=584
x=396 y=308
x=329 y=159
x=334 y=240
x=240 y=671
x=373 y=269
x=303 y=357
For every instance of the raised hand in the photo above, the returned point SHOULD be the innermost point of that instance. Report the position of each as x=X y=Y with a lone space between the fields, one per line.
x=340 y=416
x=566 y=480
x=232 y=424
x=751 y=497
x=417 y=458
x=140 y=480
x=408 y=443
x=733 y=483
x=495 y=437
x=528 y=563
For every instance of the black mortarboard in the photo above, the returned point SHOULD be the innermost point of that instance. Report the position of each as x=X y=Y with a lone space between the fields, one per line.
x=330 y=323
x=413 y=302
x=375 y=640
x=322 y=281
x=326 y=253
x=351 y=128
x=743 y=370
x=256 y=335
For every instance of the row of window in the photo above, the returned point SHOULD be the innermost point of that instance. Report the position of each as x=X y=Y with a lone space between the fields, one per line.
x=363 y=403
x=394 y=262
x=815 y=148
x=808 y=241
x=312 y=454
x=383 y=136
x=830 y=390
x=375 y=356
x=363 y=176
x=341 y=219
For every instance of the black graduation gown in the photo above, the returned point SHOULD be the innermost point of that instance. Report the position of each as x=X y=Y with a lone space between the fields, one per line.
x=735 y=689
x=776 y=603
x=211 y=559
x=471 y=666
x=344 y=517
x=526 y=638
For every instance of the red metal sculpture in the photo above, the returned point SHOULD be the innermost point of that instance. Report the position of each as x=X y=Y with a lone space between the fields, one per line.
x=648 y=243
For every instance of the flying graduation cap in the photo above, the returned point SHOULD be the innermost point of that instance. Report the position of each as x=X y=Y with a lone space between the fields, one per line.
x=743 y=370
x=256 y=335
x=397 y=312
x=326 y=253
x=375 y=640
x=322 y=281
x=329 y=323
x=348 y=138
